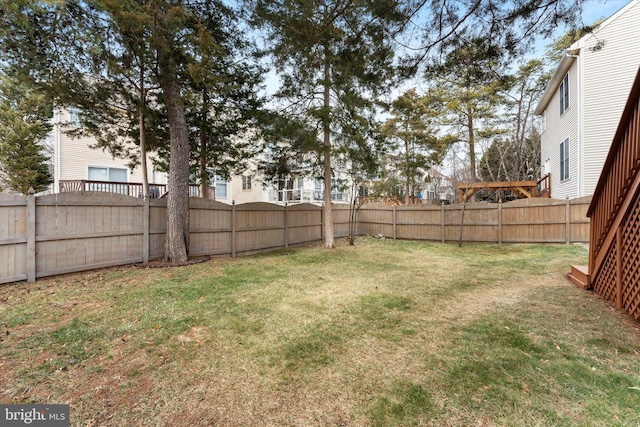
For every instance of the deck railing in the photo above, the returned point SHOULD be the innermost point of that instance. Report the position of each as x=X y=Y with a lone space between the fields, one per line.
x=293 y=196
x=615 y=215
x=543 y=186
x=133 y=189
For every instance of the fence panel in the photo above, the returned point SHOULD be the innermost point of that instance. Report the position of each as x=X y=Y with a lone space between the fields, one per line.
x=480 y=223
x=13 y=238
x=80 y=231
x=259 y=226
x=578 y=221
x=534 y=221
x=340 y=220
x=375 y=219
x=304 y=223
x=209 y=227
x=157 y=227
x=419 y=222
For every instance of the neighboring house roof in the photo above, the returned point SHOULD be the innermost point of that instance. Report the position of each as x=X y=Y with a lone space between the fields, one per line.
x=563 y=67
x=565 y=63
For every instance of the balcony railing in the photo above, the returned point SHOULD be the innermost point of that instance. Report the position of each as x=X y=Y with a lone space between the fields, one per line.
x=133 y=189
x=302 y=196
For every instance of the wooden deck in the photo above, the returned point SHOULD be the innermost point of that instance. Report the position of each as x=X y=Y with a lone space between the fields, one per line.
x=522 y=189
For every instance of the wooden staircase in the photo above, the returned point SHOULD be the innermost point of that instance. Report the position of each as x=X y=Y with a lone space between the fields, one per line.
x=579 y=276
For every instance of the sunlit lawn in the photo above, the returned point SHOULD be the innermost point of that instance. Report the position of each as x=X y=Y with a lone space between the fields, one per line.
x=382 y=333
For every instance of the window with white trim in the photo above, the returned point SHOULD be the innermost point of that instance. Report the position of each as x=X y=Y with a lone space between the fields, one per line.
x=221 y=187
x=564 y=160
x=246 y=182
x=564 y=94
x=74 y=116
x=97 y=173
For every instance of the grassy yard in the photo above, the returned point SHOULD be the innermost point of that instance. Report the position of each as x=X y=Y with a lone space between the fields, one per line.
x=386 y=333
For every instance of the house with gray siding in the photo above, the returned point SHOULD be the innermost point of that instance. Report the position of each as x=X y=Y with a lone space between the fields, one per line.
x=583 y=102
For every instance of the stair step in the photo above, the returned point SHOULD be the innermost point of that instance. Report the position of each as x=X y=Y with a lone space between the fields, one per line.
x=579 y=276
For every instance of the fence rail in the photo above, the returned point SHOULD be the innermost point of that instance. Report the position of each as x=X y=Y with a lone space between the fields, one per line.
x=69 y=232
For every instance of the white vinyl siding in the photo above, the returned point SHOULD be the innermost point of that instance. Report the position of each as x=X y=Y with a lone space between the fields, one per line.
x=75 y=155
x=600 y=78
x=608 y=75
x=559 y=128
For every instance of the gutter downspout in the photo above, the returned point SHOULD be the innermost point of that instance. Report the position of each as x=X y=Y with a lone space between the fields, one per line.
x=580 y=142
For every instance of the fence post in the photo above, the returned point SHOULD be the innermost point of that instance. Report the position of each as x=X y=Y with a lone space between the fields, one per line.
x=286 y=225
x=499 y=221
x=31 y=236
x=233 y=228
x=394 y=222
x=145 y=229
x=442 y=220
x=567 y=217
x=322 y=223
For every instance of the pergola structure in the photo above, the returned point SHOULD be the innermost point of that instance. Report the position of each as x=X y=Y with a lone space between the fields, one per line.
x=522 y=189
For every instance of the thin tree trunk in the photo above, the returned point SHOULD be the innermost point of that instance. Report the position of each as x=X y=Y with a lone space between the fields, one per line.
x=177 y=238
x=143 y=156
x=464 y=207
x=472 y=149
x=203 y=146
x=407 y=174
x=143 y=136
x=326 y=127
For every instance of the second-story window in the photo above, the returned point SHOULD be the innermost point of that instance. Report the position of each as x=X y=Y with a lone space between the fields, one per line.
x=74 y=116
x=564 y=94
x=246 y=182
x=221 y=187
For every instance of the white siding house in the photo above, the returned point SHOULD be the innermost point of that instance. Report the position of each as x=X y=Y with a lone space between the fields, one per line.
x=582 y=103
x=75 y=160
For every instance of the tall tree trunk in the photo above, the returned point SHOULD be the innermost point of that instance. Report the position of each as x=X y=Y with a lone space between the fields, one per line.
x=326 y=128
x=177 y=239
x=142 y=134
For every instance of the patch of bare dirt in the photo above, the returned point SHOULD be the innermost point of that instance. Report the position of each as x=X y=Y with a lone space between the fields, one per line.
x=159 y=263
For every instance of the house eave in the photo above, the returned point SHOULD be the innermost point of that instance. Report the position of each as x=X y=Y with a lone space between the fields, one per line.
x=552 y=86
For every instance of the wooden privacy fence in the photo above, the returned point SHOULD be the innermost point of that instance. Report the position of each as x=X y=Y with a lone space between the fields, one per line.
x=69 y=232
x=520 y=221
